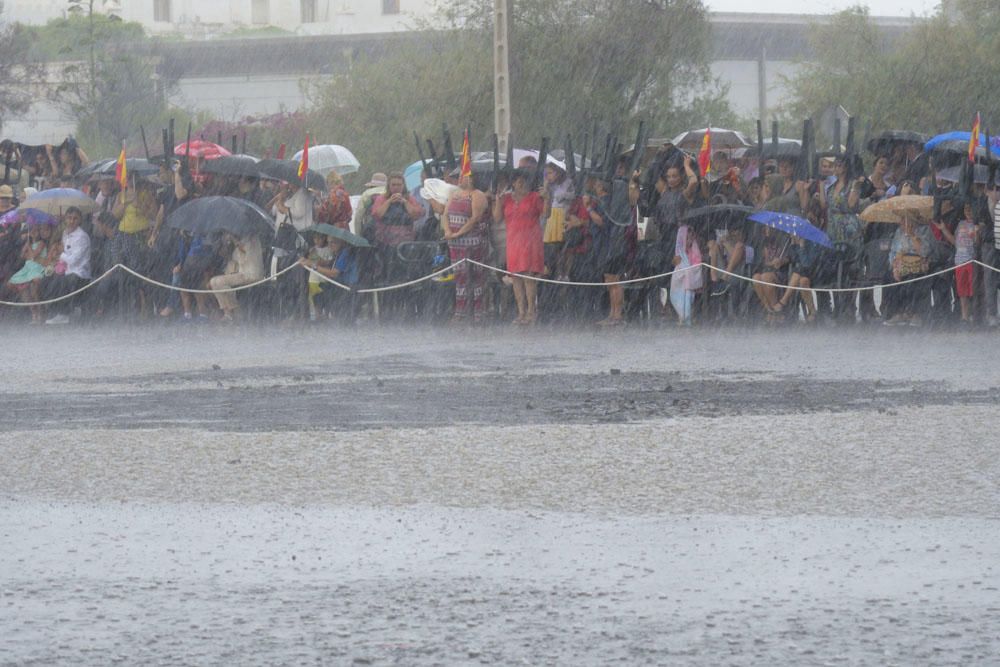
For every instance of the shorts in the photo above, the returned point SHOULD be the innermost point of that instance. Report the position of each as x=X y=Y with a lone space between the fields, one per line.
x=615 y=266
x=965 y=278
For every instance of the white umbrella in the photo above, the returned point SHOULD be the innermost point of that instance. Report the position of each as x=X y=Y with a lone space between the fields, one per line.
x=721 y=139
x=331 y=157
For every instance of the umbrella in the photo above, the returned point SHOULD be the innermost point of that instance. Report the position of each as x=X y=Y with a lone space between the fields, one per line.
x=28 y=216
x=885 y=140
x=201 y=149
x=980 y=174
x=792 y=224
x=958 y=142
x=790 y=148
x=206 y=215
x=134 y=166
x=330 y=157
x=337 y=232
x=895 y=209
x=288 y=171
x=721 y=139
x=93 y=168
x=412 y=175
x=232 y=165
x=57 y=200
x=718 y=216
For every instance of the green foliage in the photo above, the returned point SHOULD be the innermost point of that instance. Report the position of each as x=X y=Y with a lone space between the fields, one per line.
x=108 y=80
x=17 y=73
x=71 y=38
x=932 y=79
x=574 y=63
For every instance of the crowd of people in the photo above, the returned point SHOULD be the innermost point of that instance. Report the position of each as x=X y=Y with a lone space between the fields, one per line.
x=655 y=237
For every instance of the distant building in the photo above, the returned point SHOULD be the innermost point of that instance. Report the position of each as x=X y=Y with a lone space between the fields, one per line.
x=201 y=19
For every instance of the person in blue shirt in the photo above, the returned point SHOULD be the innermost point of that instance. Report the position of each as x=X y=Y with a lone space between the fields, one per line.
x=344 y=270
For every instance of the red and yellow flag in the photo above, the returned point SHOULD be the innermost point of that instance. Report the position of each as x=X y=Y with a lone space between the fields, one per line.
x=705 y=154
x=304 y=162
x=974 y=139
x=121 y=170
x=466 y=156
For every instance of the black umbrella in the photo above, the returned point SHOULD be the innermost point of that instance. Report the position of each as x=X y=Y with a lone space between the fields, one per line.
x=232 y=165
x=288 y=171
x=134 y=166
x=886 y=140
x=93 y=168
x=206 y=215
x=719 y=216
x=785 y=149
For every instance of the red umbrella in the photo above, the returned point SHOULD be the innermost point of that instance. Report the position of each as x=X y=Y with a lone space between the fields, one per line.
x=204 y=150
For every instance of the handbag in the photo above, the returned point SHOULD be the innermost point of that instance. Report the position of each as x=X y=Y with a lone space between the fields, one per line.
x=912 y=265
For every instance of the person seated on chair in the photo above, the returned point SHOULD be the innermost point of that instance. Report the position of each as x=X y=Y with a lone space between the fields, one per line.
x=245 y=265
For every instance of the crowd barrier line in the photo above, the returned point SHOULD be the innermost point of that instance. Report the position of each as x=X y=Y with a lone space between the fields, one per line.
x=451 y=267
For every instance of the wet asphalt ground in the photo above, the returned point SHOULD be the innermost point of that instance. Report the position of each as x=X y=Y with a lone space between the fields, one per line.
x=439 y=497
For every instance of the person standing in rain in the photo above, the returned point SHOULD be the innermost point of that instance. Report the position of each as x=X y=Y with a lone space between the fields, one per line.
x=466 y=236
x=520 y=209
x=336 y=208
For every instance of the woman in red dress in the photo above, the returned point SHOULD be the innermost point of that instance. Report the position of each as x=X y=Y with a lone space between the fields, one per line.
x=523 y=210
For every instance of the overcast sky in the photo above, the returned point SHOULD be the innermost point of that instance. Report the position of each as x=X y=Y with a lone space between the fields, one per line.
x=878 y=7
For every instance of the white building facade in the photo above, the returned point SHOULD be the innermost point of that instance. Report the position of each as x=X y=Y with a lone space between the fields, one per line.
x=204 y=18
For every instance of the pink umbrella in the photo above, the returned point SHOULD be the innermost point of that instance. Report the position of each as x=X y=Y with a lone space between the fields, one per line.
x=204 y=150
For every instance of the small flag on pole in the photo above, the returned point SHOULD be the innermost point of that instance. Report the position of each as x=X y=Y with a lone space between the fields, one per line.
x=705 y=154
x=974 y=139
x=304 y=162
x=466 y=156
x=121 y=170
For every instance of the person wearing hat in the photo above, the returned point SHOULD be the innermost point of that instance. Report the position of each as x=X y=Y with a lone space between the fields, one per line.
x=6 y=198
x=362 y=214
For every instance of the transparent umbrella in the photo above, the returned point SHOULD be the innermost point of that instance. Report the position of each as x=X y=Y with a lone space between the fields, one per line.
x=330 y=157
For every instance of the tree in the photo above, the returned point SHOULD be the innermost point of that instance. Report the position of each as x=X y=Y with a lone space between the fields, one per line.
x=933 y=78
x=109 y=80
x=575 y=63
x=17 y=72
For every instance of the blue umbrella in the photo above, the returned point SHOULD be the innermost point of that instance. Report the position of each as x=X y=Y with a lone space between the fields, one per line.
x=792 y=224
x=412 y=176
x=28 y=216
x=960 y=140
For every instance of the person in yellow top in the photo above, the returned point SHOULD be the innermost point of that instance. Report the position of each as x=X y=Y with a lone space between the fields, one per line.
x=135 y=210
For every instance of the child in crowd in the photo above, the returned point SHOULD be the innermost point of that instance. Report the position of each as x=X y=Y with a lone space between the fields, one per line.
x=965 y=239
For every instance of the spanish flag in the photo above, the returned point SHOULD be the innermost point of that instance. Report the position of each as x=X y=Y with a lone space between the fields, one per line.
x=304 y=162
x=466 y=156
x=121 y=170
x=974 y=139
x=705 y=154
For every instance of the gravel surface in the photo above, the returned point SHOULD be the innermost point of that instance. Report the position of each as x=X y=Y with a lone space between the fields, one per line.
x=427 y=497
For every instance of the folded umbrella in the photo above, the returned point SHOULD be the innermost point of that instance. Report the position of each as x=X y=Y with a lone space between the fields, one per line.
x=57 y=200
x=793 y=225
x=338 y=233
x=206 y=215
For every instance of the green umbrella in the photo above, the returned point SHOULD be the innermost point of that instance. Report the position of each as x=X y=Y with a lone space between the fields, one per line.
x=338 y=233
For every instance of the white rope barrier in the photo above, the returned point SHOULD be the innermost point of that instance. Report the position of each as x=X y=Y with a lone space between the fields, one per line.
x=568 y=283
x=451 y=267
x=27 y=304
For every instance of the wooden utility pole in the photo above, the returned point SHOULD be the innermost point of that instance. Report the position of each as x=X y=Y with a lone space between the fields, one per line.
x=501 y=71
